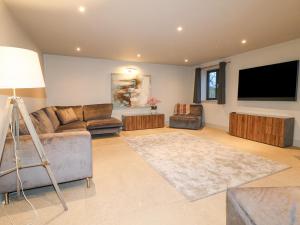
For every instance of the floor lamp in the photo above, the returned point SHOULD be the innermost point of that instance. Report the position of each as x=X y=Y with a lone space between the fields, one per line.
x=20 y=68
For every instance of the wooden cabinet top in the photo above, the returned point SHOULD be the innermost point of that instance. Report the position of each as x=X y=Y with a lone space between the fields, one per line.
x=145 y=114
x=263 y=115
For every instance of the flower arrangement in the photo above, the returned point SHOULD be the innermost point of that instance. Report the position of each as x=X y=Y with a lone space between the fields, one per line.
x=153 y=101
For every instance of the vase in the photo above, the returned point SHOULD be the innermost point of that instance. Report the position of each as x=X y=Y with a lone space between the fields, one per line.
x=153 y=109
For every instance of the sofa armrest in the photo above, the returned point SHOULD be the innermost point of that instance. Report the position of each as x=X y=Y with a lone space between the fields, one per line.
x=69 y=154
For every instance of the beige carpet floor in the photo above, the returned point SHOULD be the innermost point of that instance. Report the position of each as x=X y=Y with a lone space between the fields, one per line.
x=126 y=190
x=198 y=166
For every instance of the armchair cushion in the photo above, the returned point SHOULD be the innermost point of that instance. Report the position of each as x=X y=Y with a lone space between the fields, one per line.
x=196 y=110
x=185 y=117
x=181 y=109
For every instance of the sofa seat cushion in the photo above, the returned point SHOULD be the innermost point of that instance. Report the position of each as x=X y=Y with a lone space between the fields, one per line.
x=77 y=125
x=104 y=123
x=185 y=117
x=97 y=111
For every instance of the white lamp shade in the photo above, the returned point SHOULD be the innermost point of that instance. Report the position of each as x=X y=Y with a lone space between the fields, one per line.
x=20 y=68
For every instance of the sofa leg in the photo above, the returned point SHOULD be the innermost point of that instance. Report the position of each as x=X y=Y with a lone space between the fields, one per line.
x=6 y=198
x=88 y=182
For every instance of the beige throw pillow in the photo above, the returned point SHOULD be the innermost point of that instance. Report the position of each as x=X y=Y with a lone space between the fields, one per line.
x=66 y=115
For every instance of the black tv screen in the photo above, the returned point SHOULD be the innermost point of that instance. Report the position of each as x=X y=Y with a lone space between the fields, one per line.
x=277 y=82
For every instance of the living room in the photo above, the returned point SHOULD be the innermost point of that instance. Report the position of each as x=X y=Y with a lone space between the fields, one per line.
x=119 y=155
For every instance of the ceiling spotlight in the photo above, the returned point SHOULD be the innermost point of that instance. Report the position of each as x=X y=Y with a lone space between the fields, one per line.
x=81 y=9
x=179 y=29
x=244 y=41
x=186 y=60
x=78 y=49
x=138 y=55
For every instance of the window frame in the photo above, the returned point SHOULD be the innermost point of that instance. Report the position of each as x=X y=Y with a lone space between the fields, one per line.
x=207 y=83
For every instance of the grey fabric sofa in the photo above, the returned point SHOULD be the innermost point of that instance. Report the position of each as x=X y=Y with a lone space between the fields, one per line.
x=69 y=154
x=263 y=206
x=193 y=120
x=68 y=146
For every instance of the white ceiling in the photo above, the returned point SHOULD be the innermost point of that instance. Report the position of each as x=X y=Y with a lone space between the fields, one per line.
x=119 y=29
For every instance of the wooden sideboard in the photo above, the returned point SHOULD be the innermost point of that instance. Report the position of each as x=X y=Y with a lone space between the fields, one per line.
x=145 y=121
x=272 y=130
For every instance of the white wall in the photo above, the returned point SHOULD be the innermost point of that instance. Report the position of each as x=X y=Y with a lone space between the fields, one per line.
x=79 y=81
x=11 y=34
x=218 y=115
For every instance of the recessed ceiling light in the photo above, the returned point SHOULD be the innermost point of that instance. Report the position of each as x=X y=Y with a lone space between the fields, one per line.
x=186 y=60
x=138 y=55
x=78 y=49
x=179 y=29
x=81 y=9
x=244 y=41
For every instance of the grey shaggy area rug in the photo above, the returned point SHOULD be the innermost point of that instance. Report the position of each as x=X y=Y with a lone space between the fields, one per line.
x=199 y=167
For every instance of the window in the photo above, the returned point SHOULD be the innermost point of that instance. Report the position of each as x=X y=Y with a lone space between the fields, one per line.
x=211 y=84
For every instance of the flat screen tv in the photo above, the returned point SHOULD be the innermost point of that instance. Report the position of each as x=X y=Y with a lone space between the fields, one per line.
x=277 y=82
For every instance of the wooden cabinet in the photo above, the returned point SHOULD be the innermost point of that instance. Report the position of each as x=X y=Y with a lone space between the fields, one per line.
x=140 y=122
x=278 y=131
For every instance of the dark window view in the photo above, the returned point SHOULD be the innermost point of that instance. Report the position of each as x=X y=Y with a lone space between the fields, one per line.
x=211 y=86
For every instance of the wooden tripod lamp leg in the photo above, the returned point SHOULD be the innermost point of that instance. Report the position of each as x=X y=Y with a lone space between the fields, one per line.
x=5 y=124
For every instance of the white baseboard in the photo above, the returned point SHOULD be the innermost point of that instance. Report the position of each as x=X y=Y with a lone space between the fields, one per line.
x=217 y=126
x=296 y=143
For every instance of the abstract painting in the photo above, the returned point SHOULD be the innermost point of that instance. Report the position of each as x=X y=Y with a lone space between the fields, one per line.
x=130 y=90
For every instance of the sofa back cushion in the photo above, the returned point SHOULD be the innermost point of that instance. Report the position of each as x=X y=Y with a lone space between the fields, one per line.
x=196 y=110
x=50 y=111
x=66 y=115
x=97 y=111
x=23 y=128
x=77 y=109
x=44 y=123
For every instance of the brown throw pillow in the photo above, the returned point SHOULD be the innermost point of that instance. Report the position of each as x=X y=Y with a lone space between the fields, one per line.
x=77 y=109
x=66 y=115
